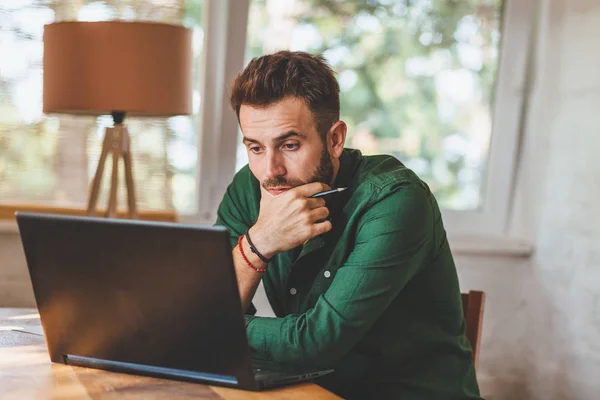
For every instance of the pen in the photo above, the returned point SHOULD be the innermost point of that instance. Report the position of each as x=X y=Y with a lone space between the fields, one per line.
x=325 y=193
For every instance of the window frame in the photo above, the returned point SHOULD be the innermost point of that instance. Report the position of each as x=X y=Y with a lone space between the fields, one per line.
x=225 y=23
x=507 y=115
x=225 y=43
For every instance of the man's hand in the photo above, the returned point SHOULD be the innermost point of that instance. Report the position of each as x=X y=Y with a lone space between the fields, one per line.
x=290 y=219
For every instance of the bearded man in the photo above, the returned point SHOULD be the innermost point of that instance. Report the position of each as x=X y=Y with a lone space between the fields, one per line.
x=361 y=281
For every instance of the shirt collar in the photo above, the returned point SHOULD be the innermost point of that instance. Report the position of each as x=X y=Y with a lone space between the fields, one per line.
x=336 y=202
x=348 y=163
x=345 y=172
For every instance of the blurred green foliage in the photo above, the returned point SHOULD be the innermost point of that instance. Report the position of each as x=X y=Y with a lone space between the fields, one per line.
x=412 y=74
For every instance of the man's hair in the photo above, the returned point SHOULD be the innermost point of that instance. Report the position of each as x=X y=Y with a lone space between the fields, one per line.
x=273 y=77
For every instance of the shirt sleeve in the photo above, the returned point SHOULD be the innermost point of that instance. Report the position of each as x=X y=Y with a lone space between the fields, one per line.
x=394 y=239
x=239 y=207
x=236 y=219
x=230 y=216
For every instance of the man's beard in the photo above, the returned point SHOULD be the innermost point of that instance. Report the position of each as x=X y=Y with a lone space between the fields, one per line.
x=323 y=173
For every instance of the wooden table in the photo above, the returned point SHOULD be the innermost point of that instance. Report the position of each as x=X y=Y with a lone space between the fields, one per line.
x=27 y=373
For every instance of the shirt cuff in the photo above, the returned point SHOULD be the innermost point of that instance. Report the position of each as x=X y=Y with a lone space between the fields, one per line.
x=248 y=319
x=263 y=335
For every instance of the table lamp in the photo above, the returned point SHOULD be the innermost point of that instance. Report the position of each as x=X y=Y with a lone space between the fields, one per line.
x=121 y=69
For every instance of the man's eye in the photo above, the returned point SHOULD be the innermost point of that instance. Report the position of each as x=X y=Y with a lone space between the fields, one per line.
x=290 y=146
x=254 y=149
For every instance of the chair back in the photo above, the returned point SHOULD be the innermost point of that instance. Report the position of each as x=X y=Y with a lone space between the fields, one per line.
x=473 y=303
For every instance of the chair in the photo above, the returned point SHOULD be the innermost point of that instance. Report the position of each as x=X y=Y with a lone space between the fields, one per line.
x=472 y=304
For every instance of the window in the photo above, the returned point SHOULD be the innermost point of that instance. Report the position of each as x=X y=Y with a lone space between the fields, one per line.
x=416 y=80
x=52 y=158
x=438 y=84
x=419 y=80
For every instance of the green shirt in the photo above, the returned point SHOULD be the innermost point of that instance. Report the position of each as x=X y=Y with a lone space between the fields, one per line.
x=376 y=298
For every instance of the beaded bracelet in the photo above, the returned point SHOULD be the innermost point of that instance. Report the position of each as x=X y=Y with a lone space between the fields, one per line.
x=261 y=270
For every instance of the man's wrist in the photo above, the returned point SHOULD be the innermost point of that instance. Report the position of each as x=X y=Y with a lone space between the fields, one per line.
x=261 y=243
x=255 y=250
x=257 y=266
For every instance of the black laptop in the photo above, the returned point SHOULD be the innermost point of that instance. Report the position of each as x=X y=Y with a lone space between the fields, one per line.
x=147 y=298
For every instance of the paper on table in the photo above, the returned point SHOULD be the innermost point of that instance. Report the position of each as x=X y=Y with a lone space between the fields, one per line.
x=34 y=329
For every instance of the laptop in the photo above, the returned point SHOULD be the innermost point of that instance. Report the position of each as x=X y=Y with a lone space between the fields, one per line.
x=146 y=298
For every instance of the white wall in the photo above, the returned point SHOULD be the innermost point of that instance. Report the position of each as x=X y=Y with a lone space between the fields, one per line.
x=541 y=337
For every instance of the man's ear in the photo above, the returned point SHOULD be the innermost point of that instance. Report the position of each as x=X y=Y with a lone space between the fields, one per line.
x=336 y=137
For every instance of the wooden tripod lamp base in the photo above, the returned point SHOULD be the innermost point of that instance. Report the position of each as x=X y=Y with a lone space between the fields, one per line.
x=117 y=143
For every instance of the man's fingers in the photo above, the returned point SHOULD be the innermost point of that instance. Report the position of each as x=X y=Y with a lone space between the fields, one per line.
x=315 y=203
x=321 y=228
x=319 y=213
x=311 y=188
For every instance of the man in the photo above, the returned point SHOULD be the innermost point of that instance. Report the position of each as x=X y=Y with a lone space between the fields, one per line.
x=361 y=281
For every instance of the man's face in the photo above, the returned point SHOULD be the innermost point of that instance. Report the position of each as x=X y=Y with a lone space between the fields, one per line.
x=284 y=147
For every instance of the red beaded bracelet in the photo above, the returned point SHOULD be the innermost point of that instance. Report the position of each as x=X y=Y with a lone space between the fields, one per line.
x=261 y=270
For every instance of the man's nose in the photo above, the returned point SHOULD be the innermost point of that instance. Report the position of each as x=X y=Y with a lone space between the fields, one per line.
x=275 y=165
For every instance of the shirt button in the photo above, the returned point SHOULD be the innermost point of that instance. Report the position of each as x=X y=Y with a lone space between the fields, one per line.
x=293 y=291
x=327 y=274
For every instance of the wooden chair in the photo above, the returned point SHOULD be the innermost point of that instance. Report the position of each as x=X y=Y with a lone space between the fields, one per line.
x=473 y=303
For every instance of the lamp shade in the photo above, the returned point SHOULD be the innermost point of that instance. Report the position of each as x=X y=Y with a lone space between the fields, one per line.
x=95 y=68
